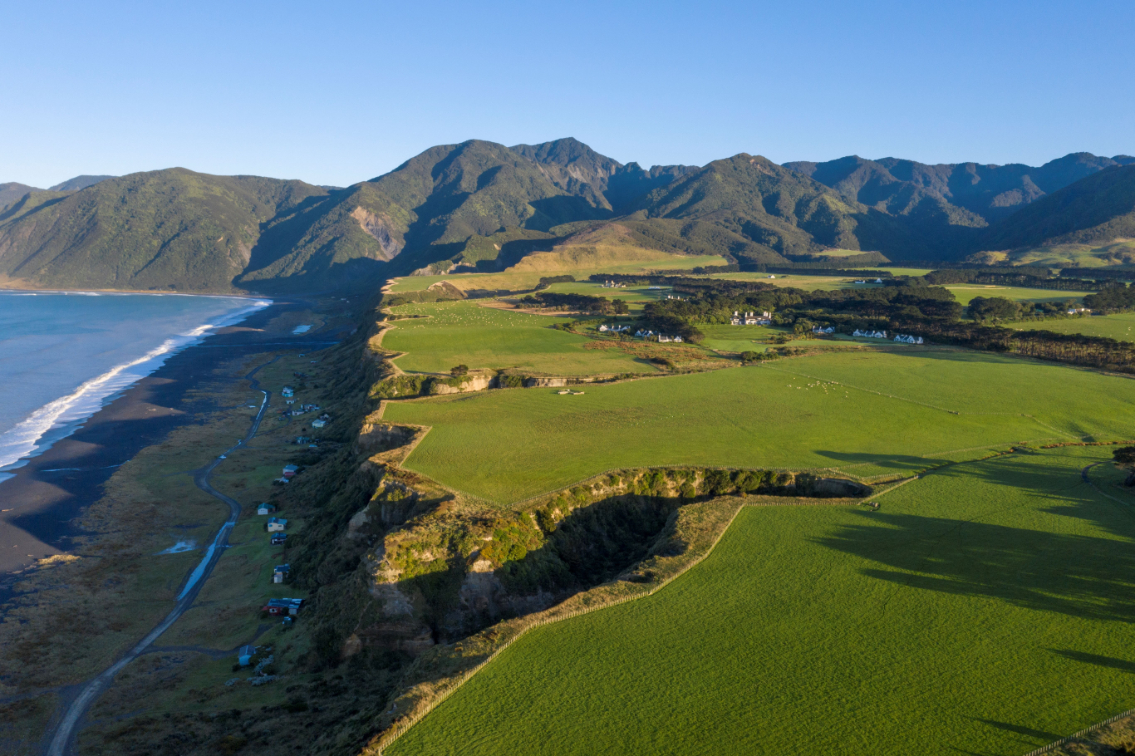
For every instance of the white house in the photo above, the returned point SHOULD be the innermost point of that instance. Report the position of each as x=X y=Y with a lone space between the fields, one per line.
x=277 y=525
x=265 y=509
x=287 y=392
x=318 y=423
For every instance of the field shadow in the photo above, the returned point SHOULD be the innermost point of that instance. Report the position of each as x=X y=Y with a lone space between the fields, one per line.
x=1123 y=665
x=1074 y=575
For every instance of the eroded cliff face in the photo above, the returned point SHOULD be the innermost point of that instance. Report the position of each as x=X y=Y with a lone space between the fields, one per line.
x=379 y=228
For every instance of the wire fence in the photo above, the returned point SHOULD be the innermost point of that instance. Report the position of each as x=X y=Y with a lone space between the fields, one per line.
x=1064 y=741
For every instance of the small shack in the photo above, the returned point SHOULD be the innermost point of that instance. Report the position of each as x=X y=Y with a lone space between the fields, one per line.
x=290 y=470
x=265 y=509
x=244 y=655
x=280 y=573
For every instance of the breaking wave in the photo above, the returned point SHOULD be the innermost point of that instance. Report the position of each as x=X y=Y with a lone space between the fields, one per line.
x=27 y=438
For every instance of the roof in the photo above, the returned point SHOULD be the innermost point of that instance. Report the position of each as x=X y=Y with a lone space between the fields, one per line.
x=246 y=651
x=279 y=520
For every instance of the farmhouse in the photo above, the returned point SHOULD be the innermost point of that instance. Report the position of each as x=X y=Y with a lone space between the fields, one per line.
x=318 y=423
x=265 y=509
x=277 y=525
x=290 y=470
x=285 y=606
x=288 y=391
x=908 y=339
x=821 y=329
x=870 y=334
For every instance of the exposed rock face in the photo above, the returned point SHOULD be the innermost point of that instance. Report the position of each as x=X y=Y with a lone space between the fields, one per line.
x=379 y=229
x=545 y=382
x=379 y=436
x=477 y=382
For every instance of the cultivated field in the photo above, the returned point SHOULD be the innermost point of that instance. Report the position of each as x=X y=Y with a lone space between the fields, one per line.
x=467 y=333
x=527 y=274
x=985 y=608
x=1120 y=327
x=965 y=292
x=861 y=413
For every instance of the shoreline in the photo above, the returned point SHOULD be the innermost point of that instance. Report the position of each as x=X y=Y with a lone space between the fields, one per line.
x=44 y=496
x=62 y=416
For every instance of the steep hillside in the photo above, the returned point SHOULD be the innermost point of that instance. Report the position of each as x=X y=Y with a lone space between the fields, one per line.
x=79 y=182
x=761 y=212
x=12 y=191
x=964 y=189
x=1095 y=209
x=164 y=229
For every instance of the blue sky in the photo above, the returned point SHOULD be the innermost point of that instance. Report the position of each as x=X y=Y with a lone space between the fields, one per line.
x=339 y=92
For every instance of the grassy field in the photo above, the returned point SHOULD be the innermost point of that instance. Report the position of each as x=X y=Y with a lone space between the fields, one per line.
x=965 y=292
x=729 y=338
x=527 y=275
x=466 y=333
x=1120 y=327
x=864 y=413
x=1116 y=252
x=985 y=609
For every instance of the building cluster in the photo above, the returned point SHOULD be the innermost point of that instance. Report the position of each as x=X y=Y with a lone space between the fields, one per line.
x=751 y=318
x=821 y=329
x=870 y=334
x=877 y=280
x=1079 y=311
x=613 y=328
x=614 y=285
x=659 y=337
x=908 y=339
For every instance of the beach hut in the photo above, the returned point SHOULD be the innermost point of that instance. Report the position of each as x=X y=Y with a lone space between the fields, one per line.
x=244 y=655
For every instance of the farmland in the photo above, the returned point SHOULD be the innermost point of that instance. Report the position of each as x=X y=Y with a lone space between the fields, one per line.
x=1120 y=327
x=464 y=332
x=965 y=292
x=983 y=609
x=861 y=413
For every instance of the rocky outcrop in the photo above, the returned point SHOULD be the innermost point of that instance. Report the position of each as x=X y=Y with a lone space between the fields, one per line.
x=545 y=382
x=472 y=382
x=379 y=229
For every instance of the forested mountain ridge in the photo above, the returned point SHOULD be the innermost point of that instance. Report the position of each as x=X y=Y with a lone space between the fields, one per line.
x=1096 y=209
x=479 y=205
x=990 y=192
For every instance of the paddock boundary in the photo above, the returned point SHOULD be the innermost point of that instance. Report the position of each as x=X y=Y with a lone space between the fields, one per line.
x=1064 y=741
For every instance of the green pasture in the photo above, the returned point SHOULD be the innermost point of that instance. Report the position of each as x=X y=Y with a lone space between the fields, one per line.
x=865 y=413
x=520 y=279
x=731 y=338
x=984 y=609
x=465 y=333
x=635 y=296
x=1116 y=252
x=1120 y=327
x=965 y=292
x=904 y=271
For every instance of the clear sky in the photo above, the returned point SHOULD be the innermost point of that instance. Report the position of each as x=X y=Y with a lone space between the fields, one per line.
x=338 y=92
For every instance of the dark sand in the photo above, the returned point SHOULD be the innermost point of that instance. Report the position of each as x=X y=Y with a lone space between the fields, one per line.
x=41 y=501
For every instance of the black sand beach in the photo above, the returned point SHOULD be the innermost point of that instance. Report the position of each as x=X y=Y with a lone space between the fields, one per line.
x=41 y=501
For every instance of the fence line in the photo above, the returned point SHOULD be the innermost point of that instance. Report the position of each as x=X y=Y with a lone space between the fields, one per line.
x=1080 y=734
x=400 y=729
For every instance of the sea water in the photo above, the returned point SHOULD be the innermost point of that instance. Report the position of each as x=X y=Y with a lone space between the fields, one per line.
x=63 y=356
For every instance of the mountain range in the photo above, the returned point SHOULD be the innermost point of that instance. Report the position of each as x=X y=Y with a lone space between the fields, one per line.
x=479 y=205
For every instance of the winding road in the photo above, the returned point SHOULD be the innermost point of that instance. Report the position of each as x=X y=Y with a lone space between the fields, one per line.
x=64 y=734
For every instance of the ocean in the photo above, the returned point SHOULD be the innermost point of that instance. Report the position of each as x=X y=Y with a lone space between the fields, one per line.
x=63 y=356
